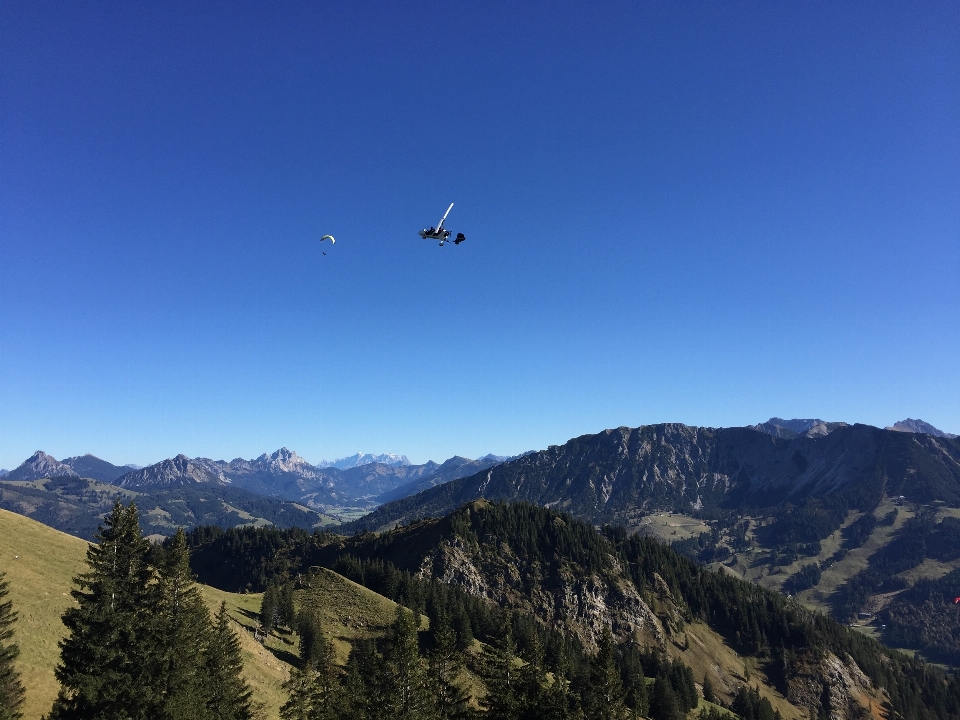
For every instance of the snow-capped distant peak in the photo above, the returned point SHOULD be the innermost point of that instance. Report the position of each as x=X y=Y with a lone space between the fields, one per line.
x=362 y=458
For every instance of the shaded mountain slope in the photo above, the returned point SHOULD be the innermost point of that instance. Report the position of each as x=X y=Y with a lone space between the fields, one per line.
x=90 y=466
x=617 y=475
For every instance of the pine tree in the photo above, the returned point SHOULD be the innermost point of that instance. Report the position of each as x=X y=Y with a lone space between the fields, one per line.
x=532 y=679
x=108 y=661
x=461 y=623
x=663 y=701
x=501 y=677
x=313 y=688
x=360 y=694
x=228 y=695
x=606 y=696
x=286 y=612
x=316 y=653
x=304 y=695
x=268 y=609
x=636 y=696
x=708 y=693
x=184 y=635
x=446 y=664
x=558 y=701
x=12 y=693
x=408 y=696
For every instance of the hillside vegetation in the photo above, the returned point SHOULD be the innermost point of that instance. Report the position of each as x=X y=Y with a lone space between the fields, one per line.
x=41 y=563
x=810 y=516
x=550 y=566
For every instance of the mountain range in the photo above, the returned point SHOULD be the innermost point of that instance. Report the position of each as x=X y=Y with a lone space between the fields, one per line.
x=621 y=475
x=843 y=516
x=283 y=475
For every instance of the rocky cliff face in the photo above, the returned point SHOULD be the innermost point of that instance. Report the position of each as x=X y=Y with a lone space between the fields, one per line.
x=40 y=465
x=581 y=604
x=839 y=686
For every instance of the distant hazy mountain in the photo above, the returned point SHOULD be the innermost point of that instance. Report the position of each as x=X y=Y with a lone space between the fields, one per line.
x=90 y=466
x=284 y=474
x=778 y=427
x=454 y=468
x=361 y=458
x=919 y=426
x=40 y=465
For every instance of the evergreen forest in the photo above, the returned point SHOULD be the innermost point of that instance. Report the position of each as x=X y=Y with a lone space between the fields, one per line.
x=787 y=639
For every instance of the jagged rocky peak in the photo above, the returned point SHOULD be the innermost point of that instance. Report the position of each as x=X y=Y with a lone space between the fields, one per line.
x=798 y=427
x=40 y=465
x=919 y=426
x=282 y=460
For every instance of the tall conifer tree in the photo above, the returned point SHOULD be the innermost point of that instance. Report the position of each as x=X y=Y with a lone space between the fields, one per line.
x=501 y=677
x=183 y=635
x=408 y=696
x=606 y=696
x=360 y=694
x=268 y=609
x=228 y=695
x=446 y=664
x=108 y=659
x=663 y=701
x=558 y=701
x=303 y=695
x=11 y=689
x=286 y=613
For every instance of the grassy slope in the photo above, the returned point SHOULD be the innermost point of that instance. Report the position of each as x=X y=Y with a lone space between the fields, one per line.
x=707 y=654
x=41 y=579
x=40 y=582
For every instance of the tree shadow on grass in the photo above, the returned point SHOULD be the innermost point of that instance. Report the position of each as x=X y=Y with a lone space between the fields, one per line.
x=284 y=656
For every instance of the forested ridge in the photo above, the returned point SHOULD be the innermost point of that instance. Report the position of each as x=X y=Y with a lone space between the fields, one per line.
x=787 y=639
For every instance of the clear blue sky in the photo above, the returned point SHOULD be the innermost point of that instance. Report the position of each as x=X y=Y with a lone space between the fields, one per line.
x=707 y=212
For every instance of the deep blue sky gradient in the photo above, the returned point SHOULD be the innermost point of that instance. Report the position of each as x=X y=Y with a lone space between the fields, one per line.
x=699 y=212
